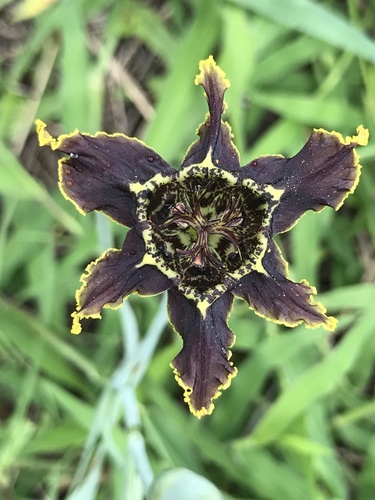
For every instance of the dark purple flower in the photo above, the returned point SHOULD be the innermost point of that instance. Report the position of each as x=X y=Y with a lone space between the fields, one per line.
x=203 y=232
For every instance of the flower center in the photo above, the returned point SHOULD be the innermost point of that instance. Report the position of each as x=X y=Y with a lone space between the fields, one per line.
x=207 y=226
x=203 y=252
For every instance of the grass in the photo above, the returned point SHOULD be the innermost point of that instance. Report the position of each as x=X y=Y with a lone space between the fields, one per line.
x=100 y=415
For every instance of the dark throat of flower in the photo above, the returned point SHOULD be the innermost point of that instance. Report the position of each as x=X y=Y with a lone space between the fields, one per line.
x=206 y=226
x=202 y=252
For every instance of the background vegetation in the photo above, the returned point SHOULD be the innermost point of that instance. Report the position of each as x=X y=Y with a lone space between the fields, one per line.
x=100 y=415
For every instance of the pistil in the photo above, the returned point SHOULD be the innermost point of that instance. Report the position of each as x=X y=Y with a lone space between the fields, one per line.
x=201 y=252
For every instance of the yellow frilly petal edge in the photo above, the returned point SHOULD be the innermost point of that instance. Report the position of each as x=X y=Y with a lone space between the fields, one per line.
x=202 y=412
x=188 y=391
x=209 y=67
x=330 y=323
x=46 y=139
x=78 y=314
x=361 y=139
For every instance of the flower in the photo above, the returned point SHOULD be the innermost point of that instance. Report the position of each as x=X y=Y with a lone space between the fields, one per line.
x=203 y=232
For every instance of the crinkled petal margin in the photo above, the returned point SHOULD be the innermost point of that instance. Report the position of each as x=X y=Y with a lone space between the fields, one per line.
x=203 y=367
x=323 y=173
x=215 y=136
x=113 y=276
x=99 y=168
x=273 y=296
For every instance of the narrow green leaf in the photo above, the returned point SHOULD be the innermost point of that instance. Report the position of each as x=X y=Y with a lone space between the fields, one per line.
x=327 y=467
x=184 y=485
x=269 y=355
x=238 y=59
x=90 y=486
x=366 y=484
x=352 y=297
x=281 y=137
x=315 y=383
x=261 y=465
x=306 y=243
x=74 y=66
x=56 y=437
x=166 y=133
x=80 y=411
x=366 y=410
x=303 y=446
x=17 y=183
x=58 y=355
x=310 y=110
x=19 y=433
x=316 y=20
x=288 y=57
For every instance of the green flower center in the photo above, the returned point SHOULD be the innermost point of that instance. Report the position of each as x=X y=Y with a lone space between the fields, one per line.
x=207 y=226
x=202 y=251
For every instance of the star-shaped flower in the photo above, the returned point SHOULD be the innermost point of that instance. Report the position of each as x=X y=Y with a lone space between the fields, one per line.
x=203 y=232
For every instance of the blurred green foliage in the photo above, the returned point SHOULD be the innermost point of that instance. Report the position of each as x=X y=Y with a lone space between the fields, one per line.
x=298 y=421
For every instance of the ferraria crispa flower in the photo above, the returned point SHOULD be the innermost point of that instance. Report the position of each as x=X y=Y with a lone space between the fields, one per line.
x=203 y=232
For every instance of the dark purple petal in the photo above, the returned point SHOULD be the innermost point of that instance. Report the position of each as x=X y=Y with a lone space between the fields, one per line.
x=202 y=367
x=323 y=173
x=99 y=168
x=271 y=295
x=112 y=277
x=215 y=136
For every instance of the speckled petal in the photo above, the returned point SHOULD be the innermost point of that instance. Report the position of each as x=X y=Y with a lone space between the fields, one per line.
x=323 y=173
x=215 y=136
x=99 y=168
x=202 y=368
x=116 y=274
x=271 y=295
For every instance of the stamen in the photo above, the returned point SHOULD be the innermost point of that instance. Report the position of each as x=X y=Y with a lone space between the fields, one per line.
x=198 y=260
x=201 y=252
x=180 y=208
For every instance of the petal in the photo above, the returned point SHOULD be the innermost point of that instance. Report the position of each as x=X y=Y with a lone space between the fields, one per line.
x=271 y=295
x=215 y=135
x=323 y=173
x=202 y=367
x=99 y=169
x=116 y=274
